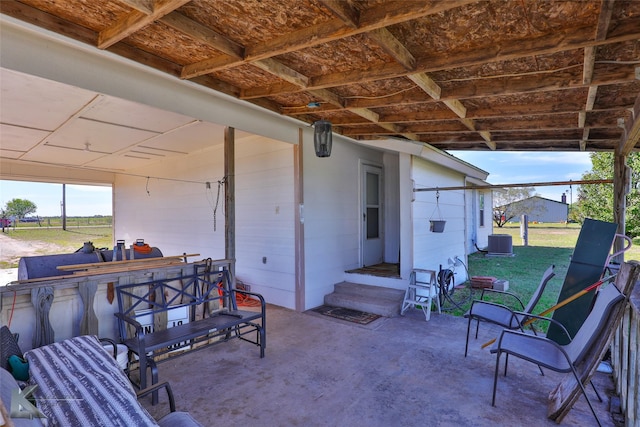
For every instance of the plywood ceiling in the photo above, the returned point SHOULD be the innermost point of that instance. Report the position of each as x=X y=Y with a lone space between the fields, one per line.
x=456 y=74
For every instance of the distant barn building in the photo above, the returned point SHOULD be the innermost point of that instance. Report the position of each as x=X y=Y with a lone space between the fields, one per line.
x=539 y=209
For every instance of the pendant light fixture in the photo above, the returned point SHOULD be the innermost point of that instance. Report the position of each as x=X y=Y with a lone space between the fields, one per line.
x=322 y=138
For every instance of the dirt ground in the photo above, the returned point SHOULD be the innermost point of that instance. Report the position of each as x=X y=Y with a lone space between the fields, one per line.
x=11 y=250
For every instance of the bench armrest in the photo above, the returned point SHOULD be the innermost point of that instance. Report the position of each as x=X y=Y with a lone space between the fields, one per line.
x=113 y=345
x=135 y=323
x=147 y=391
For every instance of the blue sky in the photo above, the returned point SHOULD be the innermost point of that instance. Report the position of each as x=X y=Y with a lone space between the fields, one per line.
x=503 y=168
x=522 y=167
x=82 y=200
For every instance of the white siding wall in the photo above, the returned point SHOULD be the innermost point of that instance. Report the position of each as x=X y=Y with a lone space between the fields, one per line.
x=391 y=208
x=331 y=214
x=430 y=250
x=475 y=233
x=177 y=216
x=484 y=232
x=265 y=218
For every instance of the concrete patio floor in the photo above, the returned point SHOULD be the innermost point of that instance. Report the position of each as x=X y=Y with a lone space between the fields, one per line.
x=400 y=371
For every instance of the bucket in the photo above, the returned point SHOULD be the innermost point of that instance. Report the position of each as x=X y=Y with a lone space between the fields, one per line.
x=122 y=354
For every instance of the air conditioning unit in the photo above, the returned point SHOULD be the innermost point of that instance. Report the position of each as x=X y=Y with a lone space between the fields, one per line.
x=500 y=244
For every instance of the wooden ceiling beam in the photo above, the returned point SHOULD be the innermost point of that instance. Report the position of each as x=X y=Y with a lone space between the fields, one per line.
x=282 y=71
x=134 y=21
x=199 y=32
x=329 y=97
x=380 y=16
x=589 y=62
x=585 y=138
x=383 y=15
x=476 y=88
x=631 y=135
x=491 y=54
x=456 y=106
x=234 y=51
x=435 y=91
x=343 y=10
x=427 y=84
x=604 y=20
x=144 y=6
x=393 y=47
x=512 y=85
x=591 y=98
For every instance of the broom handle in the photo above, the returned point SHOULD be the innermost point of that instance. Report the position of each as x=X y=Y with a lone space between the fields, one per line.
x=560 y=304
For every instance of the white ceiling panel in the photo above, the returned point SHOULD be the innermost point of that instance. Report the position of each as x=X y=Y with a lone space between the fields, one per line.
x=196 y=136
x=60 y=155
x=10 y=154
x=38 y=103
x=120 y=162
x=17 y=138
x=48 y=122
x=102 y=137
x=132 y=114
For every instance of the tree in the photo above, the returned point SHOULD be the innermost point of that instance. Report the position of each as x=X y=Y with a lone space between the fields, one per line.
x=510 y=203
x=596 y=200
x=20 y=208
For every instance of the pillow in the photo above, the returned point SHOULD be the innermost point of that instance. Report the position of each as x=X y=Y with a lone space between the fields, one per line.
x=19 y=368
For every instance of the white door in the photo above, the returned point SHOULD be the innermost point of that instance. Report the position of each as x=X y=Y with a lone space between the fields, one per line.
x=372 y=239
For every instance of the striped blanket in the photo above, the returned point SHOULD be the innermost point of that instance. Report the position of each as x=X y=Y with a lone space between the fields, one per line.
x=81 y=384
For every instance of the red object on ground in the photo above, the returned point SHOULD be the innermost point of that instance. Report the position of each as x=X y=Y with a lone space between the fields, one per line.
x=482 y=281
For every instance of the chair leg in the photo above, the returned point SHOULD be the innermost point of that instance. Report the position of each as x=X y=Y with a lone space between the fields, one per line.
x=154 y=379
x=596 y=391
x=477 y=327
x=584 y=393
x=495 y=378
x=466 y=346
x=506 y=363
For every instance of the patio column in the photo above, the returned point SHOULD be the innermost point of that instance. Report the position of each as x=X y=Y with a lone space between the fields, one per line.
x=622 y=174
x=229 y=200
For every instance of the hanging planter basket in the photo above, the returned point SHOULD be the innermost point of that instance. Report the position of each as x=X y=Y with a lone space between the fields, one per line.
x=436 y=223
x=437 y=226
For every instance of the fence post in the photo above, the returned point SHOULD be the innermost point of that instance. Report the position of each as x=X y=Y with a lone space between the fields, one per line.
x=524 y=229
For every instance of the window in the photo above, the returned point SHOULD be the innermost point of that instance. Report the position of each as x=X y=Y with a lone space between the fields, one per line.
x=481 y=209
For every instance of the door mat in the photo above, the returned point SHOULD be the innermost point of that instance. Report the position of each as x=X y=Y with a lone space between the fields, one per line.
x=381 y=270
x=347 y=314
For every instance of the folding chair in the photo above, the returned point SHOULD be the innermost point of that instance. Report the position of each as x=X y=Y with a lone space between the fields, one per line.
x=560 y=358
x=502 y=315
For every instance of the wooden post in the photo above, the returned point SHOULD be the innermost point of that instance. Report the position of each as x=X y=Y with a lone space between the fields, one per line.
x=524 y=229
x=64 y=207
x=89 y=322
x=298 y=197
x=229 y=198
x=620 y=189
x=42 y=298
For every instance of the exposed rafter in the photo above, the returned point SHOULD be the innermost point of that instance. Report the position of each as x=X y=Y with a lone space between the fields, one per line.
x=562 y=76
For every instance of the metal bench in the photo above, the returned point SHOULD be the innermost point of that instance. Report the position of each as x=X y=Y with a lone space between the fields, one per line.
x=166 y=317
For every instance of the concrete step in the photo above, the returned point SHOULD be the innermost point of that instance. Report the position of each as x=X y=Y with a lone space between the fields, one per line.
x=371 y=299
x=378 y=292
